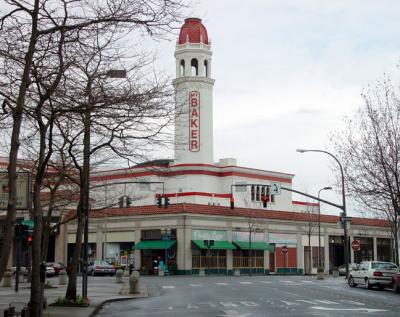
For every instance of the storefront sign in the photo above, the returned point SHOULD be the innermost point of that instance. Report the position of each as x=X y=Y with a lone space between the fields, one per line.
x=22 y=191
x=245 y=236
x=281 y=238
x=194 y=121
x=217 y=235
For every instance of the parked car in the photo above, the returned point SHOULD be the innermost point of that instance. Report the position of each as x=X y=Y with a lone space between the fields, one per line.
x=50 y=271
x=396 y=283
x=57 y=266
x=373 y=273
x=100 y=267
x=342 y=268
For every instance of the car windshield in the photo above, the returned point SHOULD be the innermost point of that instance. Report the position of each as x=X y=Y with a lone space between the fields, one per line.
x=383 y=265
x=103 y=263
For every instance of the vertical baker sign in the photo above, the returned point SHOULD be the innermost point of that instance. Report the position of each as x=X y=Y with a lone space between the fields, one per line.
x=194 y=121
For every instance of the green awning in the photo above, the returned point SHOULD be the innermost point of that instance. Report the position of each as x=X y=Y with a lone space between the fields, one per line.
x=154 y=244
x=218 y=245
x=245 y=245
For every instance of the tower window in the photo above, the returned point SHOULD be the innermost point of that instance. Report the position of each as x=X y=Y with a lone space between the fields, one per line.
x=182 y=68
x=194 y=64
x=206 y=68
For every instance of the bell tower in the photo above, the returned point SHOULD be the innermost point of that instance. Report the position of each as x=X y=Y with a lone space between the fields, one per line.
x=193 y=95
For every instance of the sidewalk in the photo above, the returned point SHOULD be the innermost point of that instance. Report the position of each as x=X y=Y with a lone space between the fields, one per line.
x=100 y=289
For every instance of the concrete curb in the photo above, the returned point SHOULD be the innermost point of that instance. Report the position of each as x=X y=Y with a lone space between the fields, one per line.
x=112 y=300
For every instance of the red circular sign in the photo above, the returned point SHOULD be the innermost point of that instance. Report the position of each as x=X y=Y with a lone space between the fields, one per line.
x=284 y=249
x=355 y=245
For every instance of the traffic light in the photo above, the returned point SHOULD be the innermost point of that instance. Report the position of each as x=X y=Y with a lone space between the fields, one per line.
x=159 y=200
x=29 y=239
x=166 y=202
x=232 y=202
x=265 y=200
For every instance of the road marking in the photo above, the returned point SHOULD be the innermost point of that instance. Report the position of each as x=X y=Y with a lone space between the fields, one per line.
x=250 y=304
x=306 y=301
x=245 y=282
x=170 y=308
x=168 y=286
x=195 y=285
x=266 y=282
x=228 y=304
x=328 y=302
x=289 y=303
x=353 y=302
x=234 y=313
x=360 y=309
x=220 y=283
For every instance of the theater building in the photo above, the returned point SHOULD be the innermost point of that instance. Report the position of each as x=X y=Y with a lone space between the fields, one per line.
x=126 y=223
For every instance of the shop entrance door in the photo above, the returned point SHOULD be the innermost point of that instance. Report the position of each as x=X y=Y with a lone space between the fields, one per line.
x=272 y=262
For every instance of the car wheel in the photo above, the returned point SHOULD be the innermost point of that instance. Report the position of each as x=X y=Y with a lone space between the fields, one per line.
x=381 y=287
x=367 y=284
x=395 y=287
x=351 y=282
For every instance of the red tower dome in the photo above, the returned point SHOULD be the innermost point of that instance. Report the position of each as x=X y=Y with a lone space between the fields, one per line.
x=194 y=30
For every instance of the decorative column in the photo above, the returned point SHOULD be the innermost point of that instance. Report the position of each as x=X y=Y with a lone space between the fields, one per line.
x=229 y=254
x=326 y=253
x=137 y=254
x=300 y=260
x=375 y=246
x=266 y=255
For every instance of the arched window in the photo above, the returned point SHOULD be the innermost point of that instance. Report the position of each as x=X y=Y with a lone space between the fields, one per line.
x=194 y=64
x=206 y=68
x=182 y=68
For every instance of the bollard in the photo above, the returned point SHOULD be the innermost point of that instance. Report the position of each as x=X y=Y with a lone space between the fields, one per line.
x=126 y=272
x=62 y=277
x=134 y=283
x=118 y=276
x=236 y=272
x=7 y=279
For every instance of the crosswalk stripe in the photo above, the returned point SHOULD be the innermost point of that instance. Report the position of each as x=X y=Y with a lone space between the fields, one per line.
x=168 y=286
x=195 y=285
x=220 y=283
x=245 y=282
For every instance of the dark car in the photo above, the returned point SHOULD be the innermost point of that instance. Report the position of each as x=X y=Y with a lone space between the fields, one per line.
x=100 y=267
x=396 y=283
x=57 y=266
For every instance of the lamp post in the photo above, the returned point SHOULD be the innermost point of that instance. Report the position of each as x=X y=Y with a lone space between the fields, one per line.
x=319 y=224
x=112 y=73
x=343 y=207
x=166 y=235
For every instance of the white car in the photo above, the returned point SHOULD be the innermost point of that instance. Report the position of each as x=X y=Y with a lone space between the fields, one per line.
x=373 y=273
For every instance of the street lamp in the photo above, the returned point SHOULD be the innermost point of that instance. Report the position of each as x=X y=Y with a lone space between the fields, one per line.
x=319 y=225
x=166 y=236
x=112 y=73
x=343 y=207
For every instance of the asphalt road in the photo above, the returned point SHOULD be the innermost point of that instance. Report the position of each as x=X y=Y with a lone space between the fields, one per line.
x=256 y=296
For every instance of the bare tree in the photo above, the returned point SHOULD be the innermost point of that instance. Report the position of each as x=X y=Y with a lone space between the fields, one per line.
x=369 y=147
x=28 y=28
x=309 y=228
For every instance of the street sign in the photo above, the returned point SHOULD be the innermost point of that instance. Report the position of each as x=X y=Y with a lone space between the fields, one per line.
x=342 y=224
x=275 y=189
x=284 y=250
x=346 y=218
x=355 y=245
x=28 y=223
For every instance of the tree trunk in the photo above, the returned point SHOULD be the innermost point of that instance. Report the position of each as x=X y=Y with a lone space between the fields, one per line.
x=73 y=266
x=36 y=285
x=14 y=147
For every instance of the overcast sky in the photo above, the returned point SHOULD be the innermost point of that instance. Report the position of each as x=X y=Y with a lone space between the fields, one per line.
x=286 y=74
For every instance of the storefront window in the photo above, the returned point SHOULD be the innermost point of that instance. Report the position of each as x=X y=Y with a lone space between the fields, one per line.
x=384 y=249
